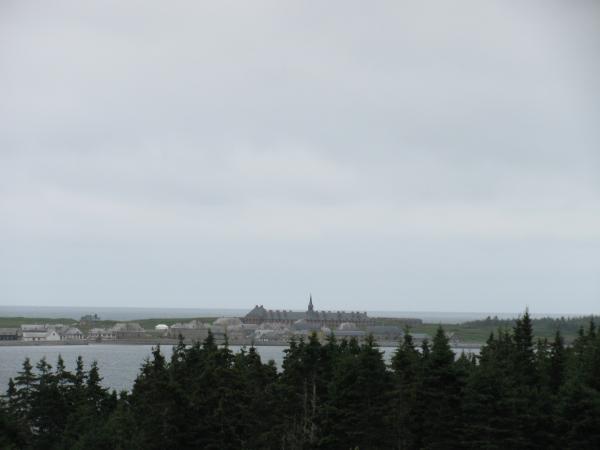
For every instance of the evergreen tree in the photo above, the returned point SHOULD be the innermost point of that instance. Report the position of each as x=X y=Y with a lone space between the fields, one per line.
x=407 y=367
x=154 y=404
x=359 y=401
x=487 y=402
x=441 y=396
x=579 y=416
x=25 y=383
x=11 y=437
x=92 y=406
x=542 y=361
x=12 y=433
x=256 y=393
x=292 y=390
x=558 y=362
x=327 y=395
x=523 y=353
x=11 y=396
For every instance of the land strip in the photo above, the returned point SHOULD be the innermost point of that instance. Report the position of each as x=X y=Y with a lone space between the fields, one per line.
x=467 y=334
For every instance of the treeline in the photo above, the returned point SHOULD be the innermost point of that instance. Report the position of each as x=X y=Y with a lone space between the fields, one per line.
x=516 y=394
x=543 y=326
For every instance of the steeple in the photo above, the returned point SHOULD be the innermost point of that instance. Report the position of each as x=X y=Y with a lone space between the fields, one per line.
x=310 y=305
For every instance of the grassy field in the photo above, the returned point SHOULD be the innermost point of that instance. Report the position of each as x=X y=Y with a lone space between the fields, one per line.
x=479 y=331
x=468 y=332
x=465 y=334
x=148 y=324
x=16 y=322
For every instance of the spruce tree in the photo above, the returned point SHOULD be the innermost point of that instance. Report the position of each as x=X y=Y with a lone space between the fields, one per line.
x=523 y=354
x=93 y=406
x=291 y=390
x=153 y=406
x=407 y=368
x=48 y=413
x=26 y=384
x=558 y=362
x=11 y=437
x=441 y=396
x=579 y=416
x=358 y=401
x=258 y=414
x=13 y=434
x=487 y=400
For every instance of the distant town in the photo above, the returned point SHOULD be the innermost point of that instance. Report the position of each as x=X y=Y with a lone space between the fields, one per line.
x=260 y=326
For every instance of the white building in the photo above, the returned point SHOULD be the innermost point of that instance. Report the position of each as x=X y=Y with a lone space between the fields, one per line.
x=38 y=336
x=72 y=334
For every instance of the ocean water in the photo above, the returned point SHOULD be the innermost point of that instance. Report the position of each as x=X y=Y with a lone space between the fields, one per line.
x=125 y=313
x=119 y=364
x=110 y=313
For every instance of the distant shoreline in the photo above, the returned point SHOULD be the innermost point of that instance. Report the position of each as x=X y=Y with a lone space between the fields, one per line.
x=466 y=335
x=141 y=313
x=169 y=342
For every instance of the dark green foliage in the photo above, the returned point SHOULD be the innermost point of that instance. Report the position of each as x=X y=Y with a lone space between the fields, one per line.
x=557 y=364
x=542 y=327
x=407 y=379
x=579 y=416
x=440 y=396
x=358 y=401
x=516 y=393
x=12 y=432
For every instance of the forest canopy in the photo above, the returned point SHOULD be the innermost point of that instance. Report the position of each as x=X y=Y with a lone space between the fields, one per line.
x=517 y=393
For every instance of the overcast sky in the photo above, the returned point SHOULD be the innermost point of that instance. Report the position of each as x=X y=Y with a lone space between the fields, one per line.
x=381 y=155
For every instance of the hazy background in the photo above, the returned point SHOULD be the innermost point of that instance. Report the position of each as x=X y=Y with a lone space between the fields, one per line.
x=383 y=155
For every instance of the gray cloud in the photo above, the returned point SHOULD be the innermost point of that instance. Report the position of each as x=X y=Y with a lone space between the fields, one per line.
x=296 y=127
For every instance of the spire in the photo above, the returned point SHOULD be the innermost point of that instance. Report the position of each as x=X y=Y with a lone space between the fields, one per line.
x=310 y=304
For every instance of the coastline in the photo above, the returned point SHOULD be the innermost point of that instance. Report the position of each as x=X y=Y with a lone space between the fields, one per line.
x=169 y=342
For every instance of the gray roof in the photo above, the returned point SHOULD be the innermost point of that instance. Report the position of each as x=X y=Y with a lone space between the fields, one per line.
x=128 y=327
x=302 y=324
x=191 y=325
x=420 y=336
x=345 y=333
x=73 y=331
x=101 y=330
x=260 y=312
x=9 y=331
x=384 y=329
x=34 y=327
x=28 y=334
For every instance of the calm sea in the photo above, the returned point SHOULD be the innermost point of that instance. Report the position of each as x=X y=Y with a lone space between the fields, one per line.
x=119 y=364
x=124 y=313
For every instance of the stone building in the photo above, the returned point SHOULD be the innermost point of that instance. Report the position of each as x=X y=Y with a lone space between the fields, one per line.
x=9 y=334
x=101 y=334
x=332 y=319
x=128 y=330
x=189 y=331
x=385 y=332
x=71 y=334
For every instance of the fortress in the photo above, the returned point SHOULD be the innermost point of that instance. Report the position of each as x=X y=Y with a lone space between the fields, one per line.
x=332 y=319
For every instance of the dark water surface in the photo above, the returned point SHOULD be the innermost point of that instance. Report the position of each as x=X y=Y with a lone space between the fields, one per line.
x=119 y=364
